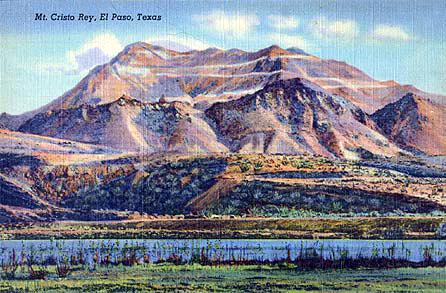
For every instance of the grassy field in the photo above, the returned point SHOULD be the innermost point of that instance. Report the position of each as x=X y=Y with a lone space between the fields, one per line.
x=197 y=278
x=341 y=228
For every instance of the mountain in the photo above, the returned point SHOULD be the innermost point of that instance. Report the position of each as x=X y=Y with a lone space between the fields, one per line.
x=218 y=131
x=414 y=122
x=130 y=125
x=23 y=143
x=152 y=99
x=148 y=72
x=290 y=116
x=14 y=195
x=294 y=116
x=13 y=122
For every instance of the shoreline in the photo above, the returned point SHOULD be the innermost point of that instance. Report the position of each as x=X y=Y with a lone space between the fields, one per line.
x=365 y=228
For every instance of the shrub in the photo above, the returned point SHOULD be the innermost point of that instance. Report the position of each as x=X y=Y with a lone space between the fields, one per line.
x=39 y=274
x=441 y=230
x=394 y=233
x=258 y=166
x=63 y=270
x=10 y=268
x=244 y=167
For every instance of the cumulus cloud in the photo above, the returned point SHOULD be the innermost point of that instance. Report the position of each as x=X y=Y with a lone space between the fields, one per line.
x=179 y=42
x=384 y=32
x=234 y=25
x=96 y=51
x=283 y=22
x=344 y=29
x=287 y=40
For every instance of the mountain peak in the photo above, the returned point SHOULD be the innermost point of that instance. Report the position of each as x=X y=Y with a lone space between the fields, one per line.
x=124 y=99
x=141 y=53
x=211 y=50
x=273 y=51
x=273 y=47
x=408 y=102
x=272 y=76
x=293 y=116
x=409 y=97
x=298 y=51
x=137 y=46
x=401 y=120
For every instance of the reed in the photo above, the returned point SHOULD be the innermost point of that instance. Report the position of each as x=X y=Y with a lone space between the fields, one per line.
x=301 y=256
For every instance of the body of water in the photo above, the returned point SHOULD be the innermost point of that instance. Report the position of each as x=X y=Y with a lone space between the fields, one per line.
x=43 y=250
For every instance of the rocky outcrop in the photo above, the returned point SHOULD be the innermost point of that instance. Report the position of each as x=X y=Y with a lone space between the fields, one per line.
x=128 y=124
x=13 y=122
x=400 y=120
x=415 y=123
x=296 y=116
x=12 y=194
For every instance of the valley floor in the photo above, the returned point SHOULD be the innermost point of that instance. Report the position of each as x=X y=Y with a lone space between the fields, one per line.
x=409 y=227
x=197 y=278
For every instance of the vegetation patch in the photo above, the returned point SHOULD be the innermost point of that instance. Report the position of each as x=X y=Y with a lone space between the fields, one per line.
x=279 y=199
x=164 y=189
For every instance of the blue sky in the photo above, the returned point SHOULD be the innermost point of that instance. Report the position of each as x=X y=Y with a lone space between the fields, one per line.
x=40 y=60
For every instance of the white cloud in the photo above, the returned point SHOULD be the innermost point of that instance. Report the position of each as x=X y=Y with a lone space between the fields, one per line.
x=234 y=25
x=344 y=29
x=384 y=32
x=179 y=42
x=96 y=51
x=283 y=22
x=286 y=40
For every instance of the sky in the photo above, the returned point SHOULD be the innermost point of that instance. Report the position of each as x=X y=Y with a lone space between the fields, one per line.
x=40 y=60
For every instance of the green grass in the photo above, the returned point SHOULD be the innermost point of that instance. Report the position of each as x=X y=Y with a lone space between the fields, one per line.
x=197 y=278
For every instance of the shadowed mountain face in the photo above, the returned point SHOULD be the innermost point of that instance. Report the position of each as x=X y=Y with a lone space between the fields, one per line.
x=13 y=122
x=401 y=120
x=11 y=194
x=128 y=124
x=294 y=116
x=414 y=122
x=152 y=99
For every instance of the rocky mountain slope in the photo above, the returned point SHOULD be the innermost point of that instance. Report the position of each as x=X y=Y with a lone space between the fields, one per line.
x=150 y=99
x=294 y=116
x=32 y=189
x=290 y=116
x=130 y=125
x=23 y=143
x=414 y=122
